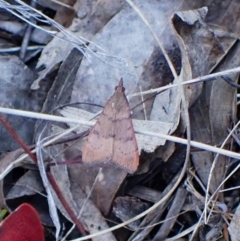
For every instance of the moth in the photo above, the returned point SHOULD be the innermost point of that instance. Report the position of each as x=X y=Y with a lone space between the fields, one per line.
x=112 y=139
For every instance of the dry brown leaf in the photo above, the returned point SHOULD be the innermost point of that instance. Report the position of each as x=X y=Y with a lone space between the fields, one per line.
x=70 y=181
x=119 y=55
x=127 y=207
x=29 y=184
x=16 y=78
x=93 y=218
x=83 y=27
x=199 y=60
x=103 y=190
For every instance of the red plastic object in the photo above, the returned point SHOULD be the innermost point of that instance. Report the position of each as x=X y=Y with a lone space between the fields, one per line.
x=23 y=224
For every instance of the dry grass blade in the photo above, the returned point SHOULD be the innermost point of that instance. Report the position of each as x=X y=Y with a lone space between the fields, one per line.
x=47 y=185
